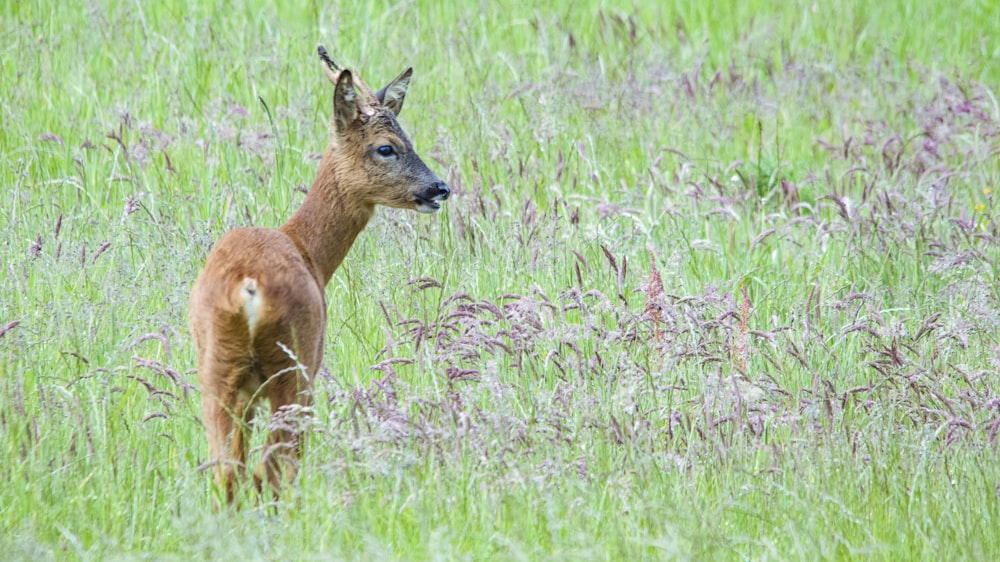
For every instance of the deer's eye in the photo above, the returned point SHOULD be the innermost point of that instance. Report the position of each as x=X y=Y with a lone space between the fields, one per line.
x=385 y=151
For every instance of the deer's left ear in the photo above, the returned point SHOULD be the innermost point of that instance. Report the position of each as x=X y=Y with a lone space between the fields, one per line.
x=392 y=95
x=345 y=102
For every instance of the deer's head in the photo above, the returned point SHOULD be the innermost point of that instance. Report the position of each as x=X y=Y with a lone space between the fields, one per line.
x=373 y=158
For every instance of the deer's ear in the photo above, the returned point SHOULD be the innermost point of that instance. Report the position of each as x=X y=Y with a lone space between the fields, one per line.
x=392 y=95
x=345 y=101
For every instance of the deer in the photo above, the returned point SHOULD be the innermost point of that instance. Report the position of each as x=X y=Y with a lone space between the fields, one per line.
x=258 y=309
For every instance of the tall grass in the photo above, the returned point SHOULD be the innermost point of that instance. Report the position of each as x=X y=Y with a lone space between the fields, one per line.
x=718 y=281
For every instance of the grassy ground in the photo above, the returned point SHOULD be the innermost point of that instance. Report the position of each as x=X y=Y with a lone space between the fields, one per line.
x=719 y=280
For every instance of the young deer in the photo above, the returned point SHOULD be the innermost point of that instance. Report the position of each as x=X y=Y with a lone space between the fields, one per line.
x=258 y=309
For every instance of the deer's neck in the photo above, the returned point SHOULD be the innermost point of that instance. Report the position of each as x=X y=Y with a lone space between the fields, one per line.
x=325 y=226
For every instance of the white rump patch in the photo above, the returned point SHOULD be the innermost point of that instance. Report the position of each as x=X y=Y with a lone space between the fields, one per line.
x=251 y=302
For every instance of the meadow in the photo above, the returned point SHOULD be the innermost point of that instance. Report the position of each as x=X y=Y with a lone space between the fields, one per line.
x=717 y=280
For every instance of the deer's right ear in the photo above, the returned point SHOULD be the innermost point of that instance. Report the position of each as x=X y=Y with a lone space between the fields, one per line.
x=394 y=92
x=345 y=101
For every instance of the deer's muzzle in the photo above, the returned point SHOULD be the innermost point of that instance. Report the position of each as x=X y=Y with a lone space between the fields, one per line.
x=429 y=200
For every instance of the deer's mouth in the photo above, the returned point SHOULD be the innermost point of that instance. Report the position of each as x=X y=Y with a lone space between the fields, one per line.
x=430 y=201
x=427 y=205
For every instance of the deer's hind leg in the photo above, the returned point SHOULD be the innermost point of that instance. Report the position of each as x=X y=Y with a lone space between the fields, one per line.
x=226 y=414
x=289 y=386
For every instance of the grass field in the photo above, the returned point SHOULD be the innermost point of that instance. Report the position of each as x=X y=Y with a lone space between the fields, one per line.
x=718 y=280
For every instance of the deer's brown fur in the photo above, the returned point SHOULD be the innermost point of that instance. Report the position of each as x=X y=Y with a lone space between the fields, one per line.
x=258 y=309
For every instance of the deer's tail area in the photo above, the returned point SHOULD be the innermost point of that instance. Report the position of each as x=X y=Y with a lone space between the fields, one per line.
x=252 y=301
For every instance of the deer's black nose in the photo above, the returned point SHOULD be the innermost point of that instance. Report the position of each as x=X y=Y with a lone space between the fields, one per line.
x=439 y=191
